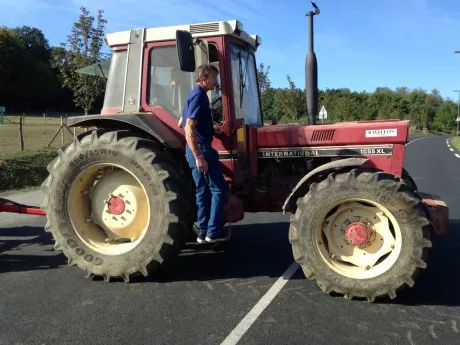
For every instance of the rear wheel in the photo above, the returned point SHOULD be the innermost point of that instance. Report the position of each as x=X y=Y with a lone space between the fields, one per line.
x=361 y=234
x=116 y=205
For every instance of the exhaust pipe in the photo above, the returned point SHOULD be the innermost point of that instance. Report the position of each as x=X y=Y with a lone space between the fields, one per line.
x=311 y=72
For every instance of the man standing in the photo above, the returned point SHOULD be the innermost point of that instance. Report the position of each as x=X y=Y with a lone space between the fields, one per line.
x=203 y=159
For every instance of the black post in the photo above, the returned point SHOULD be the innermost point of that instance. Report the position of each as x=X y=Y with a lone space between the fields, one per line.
x=311 y=72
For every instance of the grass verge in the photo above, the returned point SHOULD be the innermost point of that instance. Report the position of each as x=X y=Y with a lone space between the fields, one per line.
x=25 y=169
x=456 y=143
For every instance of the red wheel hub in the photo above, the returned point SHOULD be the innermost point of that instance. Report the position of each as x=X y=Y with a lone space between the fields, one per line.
x=357 y=234
x=116 y=205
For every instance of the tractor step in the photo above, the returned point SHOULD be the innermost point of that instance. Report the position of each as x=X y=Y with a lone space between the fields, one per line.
x=439 y=213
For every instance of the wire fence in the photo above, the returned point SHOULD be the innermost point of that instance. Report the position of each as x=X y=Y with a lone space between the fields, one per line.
x=25 y=132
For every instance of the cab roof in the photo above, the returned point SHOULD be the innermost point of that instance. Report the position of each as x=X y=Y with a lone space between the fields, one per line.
x=199 y=30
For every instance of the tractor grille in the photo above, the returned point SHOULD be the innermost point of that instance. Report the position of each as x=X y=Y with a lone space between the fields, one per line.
x=202 y=28
x=323 y=135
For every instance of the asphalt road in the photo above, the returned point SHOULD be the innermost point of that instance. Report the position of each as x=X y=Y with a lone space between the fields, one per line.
x=205 y=293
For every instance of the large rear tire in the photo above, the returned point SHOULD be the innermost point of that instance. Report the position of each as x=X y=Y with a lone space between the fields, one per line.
x=361 y=234
x=116 y=205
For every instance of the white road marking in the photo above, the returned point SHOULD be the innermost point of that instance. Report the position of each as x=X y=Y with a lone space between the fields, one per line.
x=454 y=326
x=413 y=141
x=263 y=303
x=452 y=150
x=433 y=334
x=457 y=155
x=409 y=337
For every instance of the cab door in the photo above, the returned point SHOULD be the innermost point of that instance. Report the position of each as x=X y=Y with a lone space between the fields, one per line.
x=245 y=107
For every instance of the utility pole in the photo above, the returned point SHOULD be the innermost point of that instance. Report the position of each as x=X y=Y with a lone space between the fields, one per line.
x=458 y=104
x=458 y=110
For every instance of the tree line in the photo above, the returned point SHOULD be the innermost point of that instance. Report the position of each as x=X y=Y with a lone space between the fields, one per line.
x=424 y=109
x=36 y=77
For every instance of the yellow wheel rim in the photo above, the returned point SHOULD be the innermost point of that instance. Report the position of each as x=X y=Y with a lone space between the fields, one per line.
x=359 y=239
x=108 y=208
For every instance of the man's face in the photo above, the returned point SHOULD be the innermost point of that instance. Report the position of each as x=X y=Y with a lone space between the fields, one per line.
x=211 y=81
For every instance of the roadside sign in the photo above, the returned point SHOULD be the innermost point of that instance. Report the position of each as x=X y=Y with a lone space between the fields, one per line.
x=323 y=113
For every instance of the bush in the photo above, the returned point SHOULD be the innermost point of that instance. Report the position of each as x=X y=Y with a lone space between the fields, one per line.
x=25 y=169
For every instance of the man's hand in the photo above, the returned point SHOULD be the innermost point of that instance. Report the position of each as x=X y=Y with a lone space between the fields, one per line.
x=201 y=164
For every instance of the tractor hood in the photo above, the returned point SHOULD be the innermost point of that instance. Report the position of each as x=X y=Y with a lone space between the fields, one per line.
x=344 y=133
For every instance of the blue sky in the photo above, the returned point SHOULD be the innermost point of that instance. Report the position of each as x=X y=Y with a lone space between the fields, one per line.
x=359 y=44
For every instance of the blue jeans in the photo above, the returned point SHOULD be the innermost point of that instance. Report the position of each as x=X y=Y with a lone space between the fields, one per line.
x=211 y=189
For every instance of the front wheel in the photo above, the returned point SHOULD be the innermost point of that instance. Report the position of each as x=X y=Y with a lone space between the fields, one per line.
x=360 y=234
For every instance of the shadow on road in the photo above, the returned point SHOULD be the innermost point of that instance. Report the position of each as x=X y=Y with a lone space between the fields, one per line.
x=13 y=240
x=255 y=250
x=264 y=250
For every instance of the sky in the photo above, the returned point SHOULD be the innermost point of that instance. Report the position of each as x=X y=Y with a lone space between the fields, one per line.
x=360 y=45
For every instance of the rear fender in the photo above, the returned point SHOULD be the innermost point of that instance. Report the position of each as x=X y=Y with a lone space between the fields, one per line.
x=339 y=164
x=146 y=123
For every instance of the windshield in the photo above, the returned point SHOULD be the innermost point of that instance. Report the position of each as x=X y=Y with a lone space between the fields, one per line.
x=245 y=86
x=169 y=86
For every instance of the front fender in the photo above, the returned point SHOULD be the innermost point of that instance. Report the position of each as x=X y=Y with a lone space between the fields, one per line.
x=146 y=123
x=342 y=163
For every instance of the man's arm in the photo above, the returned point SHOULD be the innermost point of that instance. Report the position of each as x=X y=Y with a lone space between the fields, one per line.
x=190 y=136
x=193 y=117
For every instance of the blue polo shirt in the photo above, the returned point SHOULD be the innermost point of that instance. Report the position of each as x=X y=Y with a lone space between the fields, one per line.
x=197 y=107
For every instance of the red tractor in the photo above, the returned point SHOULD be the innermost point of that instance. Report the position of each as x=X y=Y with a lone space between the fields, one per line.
x=120 y=198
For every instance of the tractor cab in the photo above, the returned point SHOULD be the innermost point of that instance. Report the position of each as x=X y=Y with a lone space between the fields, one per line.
x=153 y=71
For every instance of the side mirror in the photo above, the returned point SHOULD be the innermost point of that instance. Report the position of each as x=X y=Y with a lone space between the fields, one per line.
x=185 y=50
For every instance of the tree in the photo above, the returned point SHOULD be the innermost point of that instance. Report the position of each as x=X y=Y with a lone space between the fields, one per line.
x=39 y=83
x=291 y=102
x=83 y=48
x=267 y=93
x=10 y=54
x=27 y=77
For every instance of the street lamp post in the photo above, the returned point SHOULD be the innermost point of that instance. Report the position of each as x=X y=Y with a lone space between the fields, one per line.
x=458 y=110
x=457 y=120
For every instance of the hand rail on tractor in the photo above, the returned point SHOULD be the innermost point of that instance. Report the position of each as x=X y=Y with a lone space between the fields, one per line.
x=14 y=207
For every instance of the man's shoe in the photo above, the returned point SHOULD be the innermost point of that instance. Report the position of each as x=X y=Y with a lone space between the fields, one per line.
x=201 y=238
x=223 y=236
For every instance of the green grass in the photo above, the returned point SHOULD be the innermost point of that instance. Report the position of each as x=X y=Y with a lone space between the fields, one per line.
x=456 y=143
x=25 y=169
